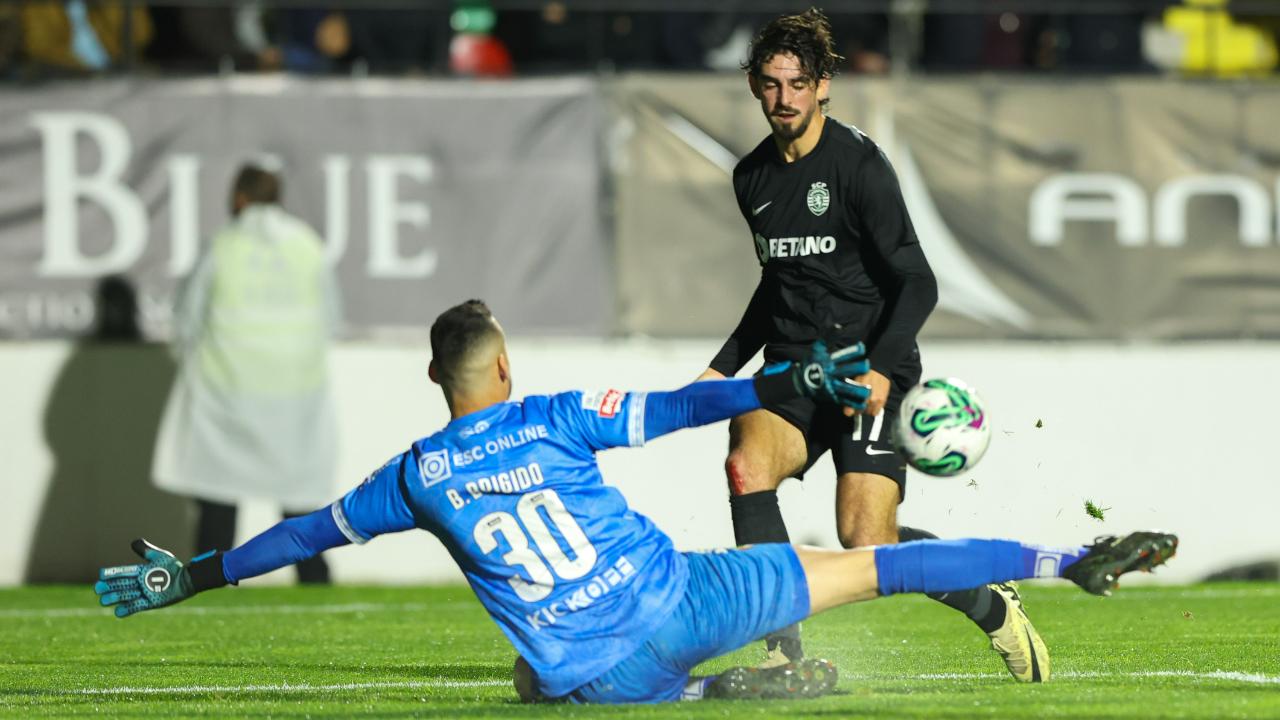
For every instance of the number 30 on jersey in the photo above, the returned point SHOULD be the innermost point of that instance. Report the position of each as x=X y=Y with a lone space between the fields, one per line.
x=542 y=579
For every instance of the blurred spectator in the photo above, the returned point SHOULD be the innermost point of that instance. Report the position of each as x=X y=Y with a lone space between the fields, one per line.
x=250 y=414
x=382 y=40
x=83 y=35
x=212 y=38
x=1210 y=40
x=479 y=56
x=473 y=51
x=314 y=41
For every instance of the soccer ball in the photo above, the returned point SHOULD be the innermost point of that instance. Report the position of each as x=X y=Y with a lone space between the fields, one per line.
x=942 y=427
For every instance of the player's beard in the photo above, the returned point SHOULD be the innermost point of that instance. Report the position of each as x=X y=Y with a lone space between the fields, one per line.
x=791 y=131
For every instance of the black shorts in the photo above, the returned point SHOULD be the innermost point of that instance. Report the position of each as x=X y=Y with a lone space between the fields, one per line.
x=858 y=444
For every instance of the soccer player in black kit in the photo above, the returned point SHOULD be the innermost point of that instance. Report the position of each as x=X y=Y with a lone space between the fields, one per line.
x=841 y=263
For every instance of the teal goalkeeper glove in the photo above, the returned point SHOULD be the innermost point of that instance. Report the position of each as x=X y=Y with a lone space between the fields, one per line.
x=828 y=377
x=161 y=580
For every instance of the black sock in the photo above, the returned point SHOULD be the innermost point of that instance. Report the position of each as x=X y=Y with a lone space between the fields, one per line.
x=981 y=605
x=758 y=519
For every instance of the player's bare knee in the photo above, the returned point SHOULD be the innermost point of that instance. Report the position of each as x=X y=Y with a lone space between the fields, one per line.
x=747 y=476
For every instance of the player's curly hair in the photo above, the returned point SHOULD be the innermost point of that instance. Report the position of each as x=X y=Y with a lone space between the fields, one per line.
x=807 y=36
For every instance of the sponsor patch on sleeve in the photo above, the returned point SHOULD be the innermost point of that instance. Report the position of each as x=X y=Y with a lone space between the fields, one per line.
x=605 y=403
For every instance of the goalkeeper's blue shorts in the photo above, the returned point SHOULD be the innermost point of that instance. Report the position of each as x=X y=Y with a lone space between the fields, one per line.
x=733 y=597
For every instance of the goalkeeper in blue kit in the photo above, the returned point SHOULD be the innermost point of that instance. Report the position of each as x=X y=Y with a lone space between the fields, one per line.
x=596 y=600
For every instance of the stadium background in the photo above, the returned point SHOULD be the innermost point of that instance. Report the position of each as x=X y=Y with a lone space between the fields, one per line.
x=1106 y=237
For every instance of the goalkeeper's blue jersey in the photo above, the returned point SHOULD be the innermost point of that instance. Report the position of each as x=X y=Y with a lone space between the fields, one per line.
x=575 y=578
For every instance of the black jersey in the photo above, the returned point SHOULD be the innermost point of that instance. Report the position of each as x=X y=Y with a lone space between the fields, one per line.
x=840 y=258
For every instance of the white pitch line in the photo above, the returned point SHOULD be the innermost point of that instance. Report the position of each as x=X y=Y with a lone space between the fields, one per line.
x=234 y=609
x=285 y=687
x=1231 y=676
x=1227 y=675
x=1195 y=594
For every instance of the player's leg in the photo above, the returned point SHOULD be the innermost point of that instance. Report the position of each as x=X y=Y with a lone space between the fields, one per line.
x=866 y=509
x=738 y=596
x=872 y=482
x=765 y=448
x=733 y=597
x=998 y=610
x=871 y=477
x=746 y=592
x=838 y=577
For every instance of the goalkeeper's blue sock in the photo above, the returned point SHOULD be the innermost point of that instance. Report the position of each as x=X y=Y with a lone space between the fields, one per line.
x=951 y=565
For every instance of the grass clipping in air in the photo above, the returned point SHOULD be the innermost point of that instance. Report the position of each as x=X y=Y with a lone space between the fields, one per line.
x=1095 y=512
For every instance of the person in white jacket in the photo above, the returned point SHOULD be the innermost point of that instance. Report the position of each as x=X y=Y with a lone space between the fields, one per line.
x=250 y=415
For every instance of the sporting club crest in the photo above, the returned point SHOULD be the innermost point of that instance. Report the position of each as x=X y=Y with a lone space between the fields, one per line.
x=819 y=199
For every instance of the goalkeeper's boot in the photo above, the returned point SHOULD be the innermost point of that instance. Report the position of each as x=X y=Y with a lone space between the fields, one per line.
x=1110 y=557
x=809 y=678
x=1017 y=641
x=782 y=648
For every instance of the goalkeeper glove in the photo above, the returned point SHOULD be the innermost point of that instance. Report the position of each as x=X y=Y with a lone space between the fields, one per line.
x=823 y=376
x=161 y=580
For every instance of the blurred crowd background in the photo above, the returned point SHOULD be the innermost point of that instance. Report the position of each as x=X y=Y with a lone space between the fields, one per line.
x=42 y=39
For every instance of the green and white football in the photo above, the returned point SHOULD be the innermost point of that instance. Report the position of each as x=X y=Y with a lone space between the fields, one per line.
x=942 y=427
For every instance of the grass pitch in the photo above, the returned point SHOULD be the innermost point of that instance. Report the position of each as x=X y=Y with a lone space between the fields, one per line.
x=1210 y=651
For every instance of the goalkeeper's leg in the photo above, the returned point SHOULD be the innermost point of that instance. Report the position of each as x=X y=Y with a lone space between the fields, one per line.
x=837 y=577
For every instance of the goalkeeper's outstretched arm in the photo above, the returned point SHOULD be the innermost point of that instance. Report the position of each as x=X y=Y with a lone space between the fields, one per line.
x=821 y=375
x=161 y=579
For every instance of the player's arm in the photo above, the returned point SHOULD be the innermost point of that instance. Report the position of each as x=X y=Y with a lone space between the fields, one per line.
x=616 y=419
x=376 y=507
x=161 y=579
x=752 y=329
x=745 y=340
x=914 y=293
x=824 y=376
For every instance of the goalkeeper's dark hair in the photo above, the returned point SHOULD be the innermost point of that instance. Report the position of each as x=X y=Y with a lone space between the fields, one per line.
x=807 y=36
x=458 y=333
